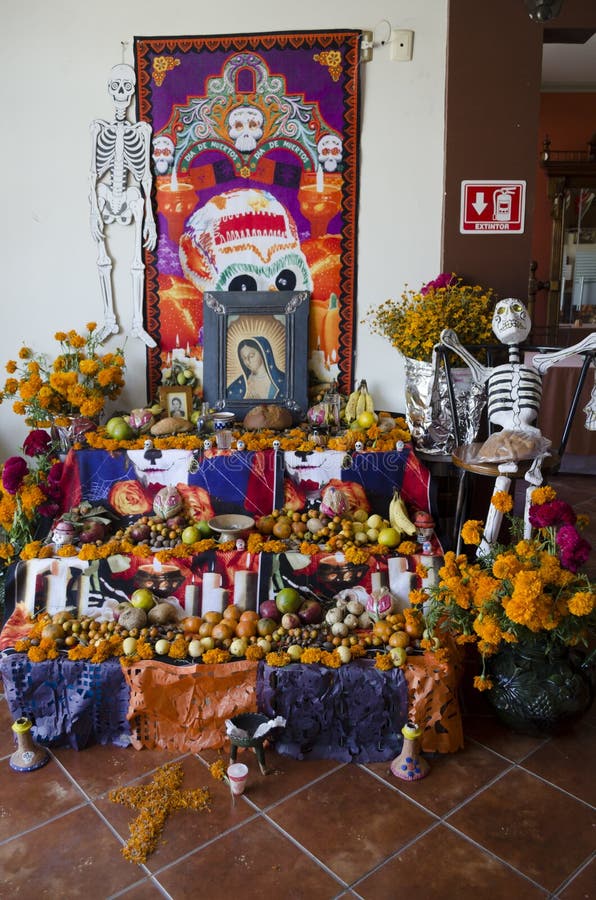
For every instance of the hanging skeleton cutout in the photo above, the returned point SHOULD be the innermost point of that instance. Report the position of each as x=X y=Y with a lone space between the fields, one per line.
x=514 y=393
x=121 y=154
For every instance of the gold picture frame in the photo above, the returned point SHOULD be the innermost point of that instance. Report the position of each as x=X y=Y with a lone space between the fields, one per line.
x=176 y=401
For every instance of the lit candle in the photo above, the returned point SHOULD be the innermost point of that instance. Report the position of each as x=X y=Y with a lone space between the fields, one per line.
x=378 y=580
x=174 y=180
x=320 y=182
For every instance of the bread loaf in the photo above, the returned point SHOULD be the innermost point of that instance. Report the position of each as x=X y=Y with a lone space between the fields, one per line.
x=171 y=425
x=268 y=416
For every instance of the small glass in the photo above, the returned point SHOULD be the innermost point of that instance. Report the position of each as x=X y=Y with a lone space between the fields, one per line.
x=223 y=439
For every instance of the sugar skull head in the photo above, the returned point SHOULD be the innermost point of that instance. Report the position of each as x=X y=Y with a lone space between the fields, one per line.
x=276 y=444
x=330 y=152
x=121 y=86
x=511 y=322
x=245 y=127
x=163 y=153
x=243 y=240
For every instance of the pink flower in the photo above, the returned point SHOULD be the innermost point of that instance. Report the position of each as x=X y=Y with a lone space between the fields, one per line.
x=442 y=280
x=575 y=550
x=15 y=469
x=556 y=513
x=37 y=442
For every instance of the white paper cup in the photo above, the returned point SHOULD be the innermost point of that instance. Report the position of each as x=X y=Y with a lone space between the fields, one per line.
x=237 y=773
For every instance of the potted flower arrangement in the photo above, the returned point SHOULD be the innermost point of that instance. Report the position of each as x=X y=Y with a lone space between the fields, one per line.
x=528 y=610
x=29 y=494
x=413 y=325
x=68 y=392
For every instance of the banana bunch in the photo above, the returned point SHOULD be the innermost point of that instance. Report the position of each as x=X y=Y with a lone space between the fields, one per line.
x=358 y=402
x=398 y=515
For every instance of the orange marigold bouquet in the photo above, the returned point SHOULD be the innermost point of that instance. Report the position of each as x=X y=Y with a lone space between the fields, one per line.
x=76 y=383
x=529 y=592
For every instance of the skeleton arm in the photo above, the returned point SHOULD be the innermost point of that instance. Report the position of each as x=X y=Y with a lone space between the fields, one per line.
x=149 y=229
x=450 y=339
x=95 y=216
x=543 y=361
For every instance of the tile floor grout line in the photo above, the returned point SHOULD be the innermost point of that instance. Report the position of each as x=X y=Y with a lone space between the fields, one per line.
x=344 y=884
x=202 y=847
x=45 y=822
x=392 y=856
x=590 y=806
x=573 y=875
x=514 y=762
x=495 y=856
x=395 y=787
x=143 y=881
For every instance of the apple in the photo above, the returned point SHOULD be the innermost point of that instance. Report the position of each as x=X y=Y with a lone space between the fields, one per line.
x=269 y=610
x=310 y=612
x=288 y=600
x=119 y=429
x=92 y=531
x=290 y=620
x=204 y=529
x=140 y=532
x=142 y=598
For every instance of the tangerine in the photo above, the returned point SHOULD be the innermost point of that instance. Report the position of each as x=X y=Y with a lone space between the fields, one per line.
x=399 y=639
x=249 y=615
x=246 y=628
x=213 y=617
x=222 y=631
x=232 y=612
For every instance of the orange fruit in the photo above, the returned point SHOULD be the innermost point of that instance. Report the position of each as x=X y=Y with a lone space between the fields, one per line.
x=382 y=629
x=282 y=529
x=222 y=631
x=213 y=617
x=399 y=639
x=249 y=615
x=205 y=629
x=246 y=628
x=191 y=624
x=232 y=612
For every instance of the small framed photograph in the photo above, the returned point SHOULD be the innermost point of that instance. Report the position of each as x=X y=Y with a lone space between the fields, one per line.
x=255 y=350
x=176 y=401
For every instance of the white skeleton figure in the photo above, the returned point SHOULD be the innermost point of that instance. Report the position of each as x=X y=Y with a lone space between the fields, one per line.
x=330 y=152
x=245 y=127
x=120 y=150
x=514 y=392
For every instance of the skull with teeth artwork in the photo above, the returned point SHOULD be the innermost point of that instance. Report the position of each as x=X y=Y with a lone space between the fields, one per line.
x=514 y=394
x=120 y=192
x=245 y=127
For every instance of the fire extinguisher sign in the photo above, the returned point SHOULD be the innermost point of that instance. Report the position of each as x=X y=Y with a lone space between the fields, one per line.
x=492 y=207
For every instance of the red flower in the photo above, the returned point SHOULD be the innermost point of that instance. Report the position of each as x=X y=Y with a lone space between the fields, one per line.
x=54 y=481
x=556 y=513
x=15 y=469
x=37 y=442
x=442 y=280
x=575 y=550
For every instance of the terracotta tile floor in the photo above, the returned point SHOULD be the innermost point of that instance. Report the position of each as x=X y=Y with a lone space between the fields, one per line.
x=509 y=816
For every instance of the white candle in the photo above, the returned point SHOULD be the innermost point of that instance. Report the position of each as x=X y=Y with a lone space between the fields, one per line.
x=192 y=595
x=378 y=580
x=211 y=580
x=245 y=590
x=320 y=182
x=215 y=600
x=400 y=580
x=174 y=180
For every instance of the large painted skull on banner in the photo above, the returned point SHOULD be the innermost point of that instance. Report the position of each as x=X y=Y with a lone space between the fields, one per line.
x=243 y=240
x=245 y=127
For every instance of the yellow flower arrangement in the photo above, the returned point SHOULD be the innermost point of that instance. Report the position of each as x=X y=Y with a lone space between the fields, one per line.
x=76 y=383
x=413 y=324
x=529 y=592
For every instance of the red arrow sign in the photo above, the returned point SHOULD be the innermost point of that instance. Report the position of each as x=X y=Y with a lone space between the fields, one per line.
x=492 y=207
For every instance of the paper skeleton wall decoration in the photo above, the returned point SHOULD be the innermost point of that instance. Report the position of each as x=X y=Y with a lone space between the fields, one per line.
x=514 y=393
x=120 y=192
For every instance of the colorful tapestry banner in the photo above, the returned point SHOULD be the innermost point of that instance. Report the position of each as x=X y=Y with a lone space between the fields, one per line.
x=255 y=155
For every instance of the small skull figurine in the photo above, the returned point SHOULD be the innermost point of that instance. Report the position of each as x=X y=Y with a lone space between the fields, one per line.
x=63 y=533
x=399 y=446
x=240 y=544
x=276 y=445
x=207 y=445
x=240 y=445
x=358 y=446
x=148 y=445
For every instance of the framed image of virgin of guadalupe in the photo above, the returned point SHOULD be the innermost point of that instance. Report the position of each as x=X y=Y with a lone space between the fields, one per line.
x=256 y=350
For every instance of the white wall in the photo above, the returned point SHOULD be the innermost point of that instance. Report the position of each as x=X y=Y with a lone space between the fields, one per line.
x=56 y=57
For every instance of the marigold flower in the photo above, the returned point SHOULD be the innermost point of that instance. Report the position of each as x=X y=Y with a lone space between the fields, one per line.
x=582 y=603
x=483 y=683
x=472 y=532
x=502 y=501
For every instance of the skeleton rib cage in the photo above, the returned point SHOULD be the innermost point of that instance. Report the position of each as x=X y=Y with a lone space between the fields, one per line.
x=121 y=148
x=514 y=389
